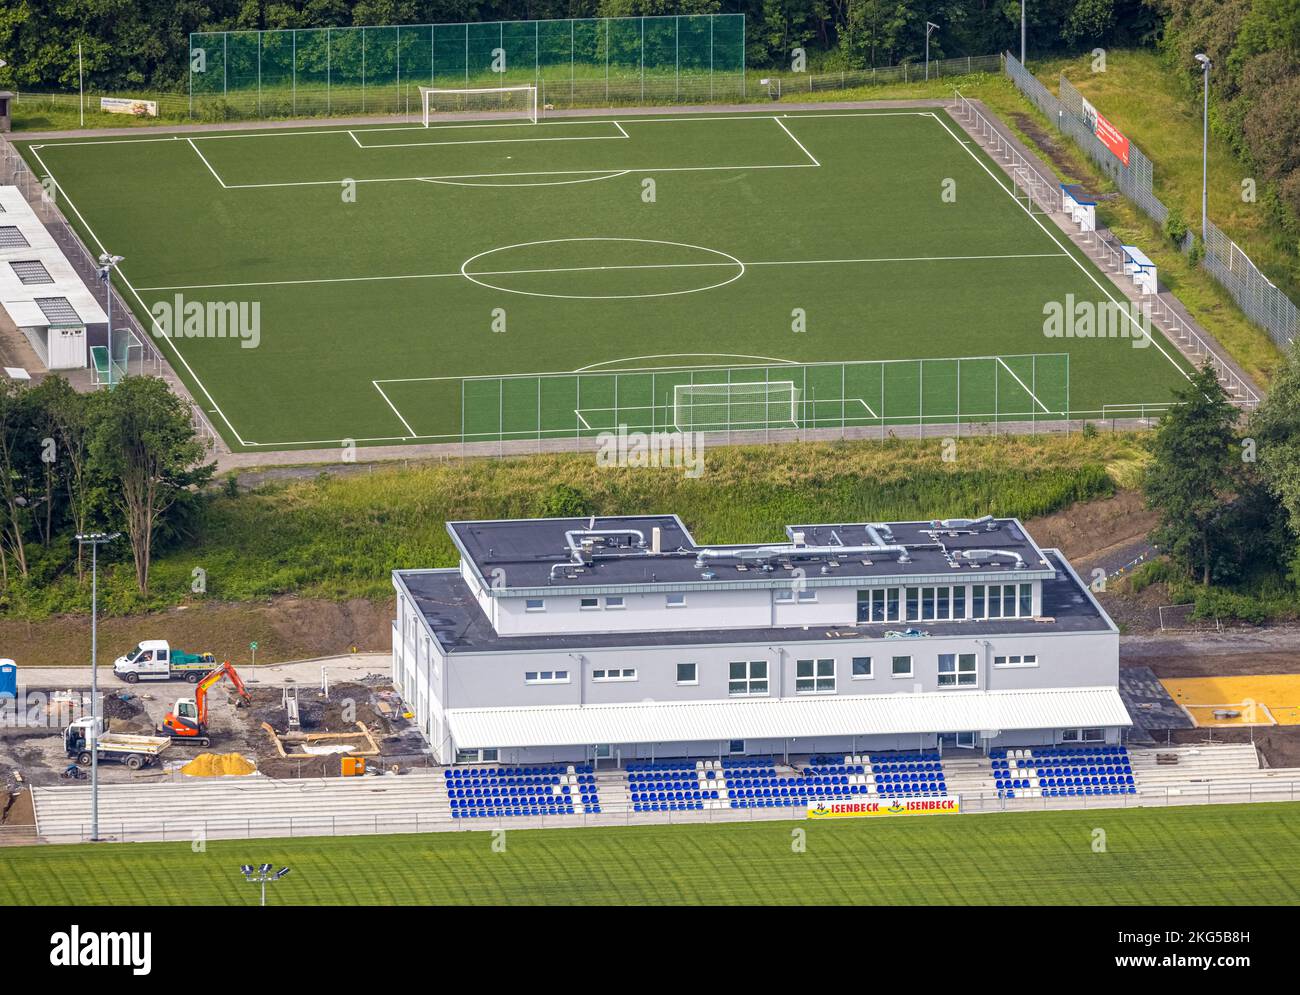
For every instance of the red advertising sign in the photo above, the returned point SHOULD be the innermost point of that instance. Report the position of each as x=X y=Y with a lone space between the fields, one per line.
x=1107 y=133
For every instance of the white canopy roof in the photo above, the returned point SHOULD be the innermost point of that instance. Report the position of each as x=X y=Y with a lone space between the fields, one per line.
x=787 y=718
x=18 y=298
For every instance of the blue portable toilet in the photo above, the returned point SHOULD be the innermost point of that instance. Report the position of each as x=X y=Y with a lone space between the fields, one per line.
x=8 y=679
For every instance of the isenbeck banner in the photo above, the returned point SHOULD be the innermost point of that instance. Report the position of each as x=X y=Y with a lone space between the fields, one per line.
x=1106 y=133
x=884 y=807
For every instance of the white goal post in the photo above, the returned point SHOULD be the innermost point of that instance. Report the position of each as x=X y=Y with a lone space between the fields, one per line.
x=505 y=101
x=714 y=407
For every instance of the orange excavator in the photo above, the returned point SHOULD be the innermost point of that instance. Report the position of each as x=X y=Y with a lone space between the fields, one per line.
x=188 y=720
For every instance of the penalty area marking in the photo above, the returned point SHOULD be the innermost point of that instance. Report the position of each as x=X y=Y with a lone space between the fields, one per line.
x=497 y=141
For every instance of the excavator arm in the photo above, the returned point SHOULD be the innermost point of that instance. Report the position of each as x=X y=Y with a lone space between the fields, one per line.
x=211 y=678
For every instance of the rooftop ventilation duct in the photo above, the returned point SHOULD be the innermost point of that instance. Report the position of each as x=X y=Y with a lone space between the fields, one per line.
x=988 y=554
x=766 y=553
x=965 y=523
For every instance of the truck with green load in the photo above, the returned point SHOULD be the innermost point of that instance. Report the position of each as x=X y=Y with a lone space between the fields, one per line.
x=155 y=660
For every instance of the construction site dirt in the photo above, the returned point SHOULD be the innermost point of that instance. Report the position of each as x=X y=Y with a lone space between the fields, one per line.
x=32 y=748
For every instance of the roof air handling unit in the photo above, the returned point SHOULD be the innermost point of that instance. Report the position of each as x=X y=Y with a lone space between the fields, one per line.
x=987 y=521
x=976 y=555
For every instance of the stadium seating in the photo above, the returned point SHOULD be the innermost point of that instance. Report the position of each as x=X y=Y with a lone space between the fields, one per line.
x=494 y=792
x=1062 y=772
x=889 y=775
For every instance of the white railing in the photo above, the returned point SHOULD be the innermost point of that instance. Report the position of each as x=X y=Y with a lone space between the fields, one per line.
x=1191 y=343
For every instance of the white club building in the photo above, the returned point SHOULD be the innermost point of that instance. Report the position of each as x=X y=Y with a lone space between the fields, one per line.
x=621 y=638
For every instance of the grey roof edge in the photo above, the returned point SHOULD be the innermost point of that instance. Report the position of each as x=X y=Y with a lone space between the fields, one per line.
x=1087 y=591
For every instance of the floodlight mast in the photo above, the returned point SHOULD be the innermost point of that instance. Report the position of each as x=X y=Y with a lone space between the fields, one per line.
x=261 y=875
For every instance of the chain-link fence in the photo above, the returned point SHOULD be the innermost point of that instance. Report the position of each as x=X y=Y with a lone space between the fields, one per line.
x=1254 y=293
x=573 y=62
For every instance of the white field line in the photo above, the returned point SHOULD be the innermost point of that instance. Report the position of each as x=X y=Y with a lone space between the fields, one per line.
x=170 y=341
x=595 y=269
x=1022 y=384
x=390 y=403
x=568 y=122
x=494 y=141
x=546 y=183
x=215 y=175
x=1082 y=268
x=796 y=141
x=585 y=423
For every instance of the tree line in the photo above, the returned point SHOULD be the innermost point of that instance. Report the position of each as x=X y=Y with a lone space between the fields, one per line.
x=124 y=460
x=1227 y=489
x=143 y=44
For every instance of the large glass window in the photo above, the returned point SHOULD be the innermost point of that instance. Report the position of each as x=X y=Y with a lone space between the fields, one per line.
x=913 y=604
x=959 y=602
x=747 y=677
x=892 y=594
x=977 y=601
x=1026 y=600
x=957 y=670
x=814 y=676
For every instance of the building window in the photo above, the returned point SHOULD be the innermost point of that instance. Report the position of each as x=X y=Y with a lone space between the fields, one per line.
x=957 y=670
x=477 y=756
x=901 y=666
x=878 y=605
x=865 y=605
x=814 y=676
x=675 y=600
x=1016 y=660
x=1083 y=735
x=892 y=595
x=688 y=673
x=616 y=674
x=589 y=604
x=966 y=740
x=1026 y=600
x=546 y=677
x=861 y=668
x=913 y=604
x=747 y=677
x=807 y=595
x=959 y=602
x=534 y=605
x=736 y=746
x=977 y=601
x=945 y=595
x=614 y=603
x=927 y=604
x=784 y=595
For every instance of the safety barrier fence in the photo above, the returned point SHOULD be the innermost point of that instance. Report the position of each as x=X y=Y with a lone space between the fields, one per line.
x=253 y=827
x=1046 y=194
x=1254 y=293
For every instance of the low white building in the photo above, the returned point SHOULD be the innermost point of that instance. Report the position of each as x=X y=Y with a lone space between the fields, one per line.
x=621 y=638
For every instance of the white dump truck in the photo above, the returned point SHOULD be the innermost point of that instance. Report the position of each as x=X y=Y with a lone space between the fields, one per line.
x=155 y=660
x=134 y=751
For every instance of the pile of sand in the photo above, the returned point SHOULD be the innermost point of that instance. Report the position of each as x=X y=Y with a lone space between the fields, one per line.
x=218 y=765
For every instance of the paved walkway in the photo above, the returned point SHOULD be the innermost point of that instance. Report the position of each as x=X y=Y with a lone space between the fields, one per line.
x=339 y=668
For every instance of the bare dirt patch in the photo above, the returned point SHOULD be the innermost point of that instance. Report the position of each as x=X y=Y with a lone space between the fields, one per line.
x=285 y=629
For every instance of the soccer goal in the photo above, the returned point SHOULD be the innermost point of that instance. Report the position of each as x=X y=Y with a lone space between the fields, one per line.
x=719 y=407
x=514 y=102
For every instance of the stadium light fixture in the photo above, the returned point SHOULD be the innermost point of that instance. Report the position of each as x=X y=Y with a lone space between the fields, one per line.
x=929 y=27
x=94 y=540
x=1206 y=66
x=261 y=875
x=106 y=264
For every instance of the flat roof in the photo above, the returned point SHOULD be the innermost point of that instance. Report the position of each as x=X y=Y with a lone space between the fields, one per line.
x=453 y=614
x=515 y=556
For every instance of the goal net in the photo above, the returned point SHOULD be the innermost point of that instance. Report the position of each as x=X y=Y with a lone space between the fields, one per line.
x=714 y=407
x=514 y=102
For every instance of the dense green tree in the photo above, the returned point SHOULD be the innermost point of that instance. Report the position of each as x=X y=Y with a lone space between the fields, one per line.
x=143 y=442
x=1195 y=476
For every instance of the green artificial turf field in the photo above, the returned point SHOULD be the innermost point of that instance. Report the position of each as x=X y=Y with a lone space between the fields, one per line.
x=484 y=280
x=1215 y=854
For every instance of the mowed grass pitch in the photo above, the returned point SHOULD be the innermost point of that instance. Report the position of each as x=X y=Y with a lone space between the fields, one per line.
x=377 y=296
x=1216 y=854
